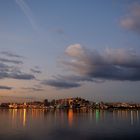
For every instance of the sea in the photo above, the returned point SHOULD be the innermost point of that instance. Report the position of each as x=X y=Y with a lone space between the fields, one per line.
x=41 y=124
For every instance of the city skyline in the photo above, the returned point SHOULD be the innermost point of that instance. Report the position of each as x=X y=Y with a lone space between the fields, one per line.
x=60 y=49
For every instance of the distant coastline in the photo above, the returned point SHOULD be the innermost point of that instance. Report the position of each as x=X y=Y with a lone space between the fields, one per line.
x=69 y=103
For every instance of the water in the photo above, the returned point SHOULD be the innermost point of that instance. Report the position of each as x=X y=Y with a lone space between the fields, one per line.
x=38 y=124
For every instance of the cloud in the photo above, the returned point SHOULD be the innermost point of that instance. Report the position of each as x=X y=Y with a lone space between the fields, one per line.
x=7 y=57
x=27 y=11
x=16 y=75
x=60 y=84
x=11 y=61
x=36 y=70
x=110 y=64
x=12 y=69
x=4 y=68
x=97 y=66
x=33 y=89
x=5 y=88
x=132 y=20
x=10 y=54
x=13 y=72
x=77 y=78
x=21 y=76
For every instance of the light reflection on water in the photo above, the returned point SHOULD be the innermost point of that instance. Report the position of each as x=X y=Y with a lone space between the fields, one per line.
x=24 y=117
x=70 y=117
x=65 y=124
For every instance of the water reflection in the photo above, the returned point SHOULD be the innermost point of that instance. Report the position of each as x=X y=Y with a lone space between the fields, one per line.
x=70 y=117
x=22 y=117
x=132 y=119
x=132 y=115
x=65 y=124
x=97 y=114
x=137 y=116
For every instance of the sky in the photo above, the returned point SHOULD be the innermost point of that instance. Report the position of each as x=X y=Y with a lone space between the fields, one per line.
x=65 y=48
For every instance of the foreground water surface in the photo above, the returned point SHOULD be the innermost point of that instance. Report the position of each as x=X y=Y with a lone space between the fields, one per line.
x=22 y=124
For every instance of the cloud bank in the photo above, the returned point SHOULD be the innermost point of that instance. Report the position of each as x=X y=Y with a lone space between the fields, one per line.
x=97 y=66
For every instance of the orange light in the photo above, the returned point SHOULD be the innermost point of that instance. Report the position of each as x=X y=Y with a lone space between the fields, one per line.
x=70 y=117
x=24 y=117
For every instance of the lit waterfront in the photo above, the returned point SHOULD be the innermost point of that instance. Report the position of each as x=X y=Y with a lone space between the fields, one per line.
x=41 y=124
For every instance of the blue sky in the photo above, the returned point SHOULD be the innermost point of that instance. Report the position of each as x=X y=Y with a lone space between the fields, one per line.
x=86 y=48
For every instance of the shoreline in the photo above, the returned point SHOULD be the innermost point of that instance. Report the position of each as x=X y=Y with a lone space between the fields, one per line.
x=74 y=109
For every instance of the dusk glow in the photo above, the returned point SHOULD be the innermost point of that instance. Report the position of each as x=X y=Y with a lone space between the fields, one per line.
x=69 y=69
x=58 y=49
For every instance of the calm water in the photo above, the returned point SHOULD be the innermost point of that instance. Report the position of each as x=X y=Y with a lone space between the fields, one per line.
x=25 y=124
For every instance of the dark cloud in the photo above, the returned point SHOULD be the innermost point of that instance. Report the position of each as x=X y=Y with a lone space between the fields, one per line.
x=21 y=76
x=33 y=89
x=132 y=20
x=6 y=58
x=94 y=66
x=4 y=67
x=5 y=88
x=77 y=78
x=35 y=70
x=10 y=68
x=60 y=84
x=110 y=64
x=14 y=72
